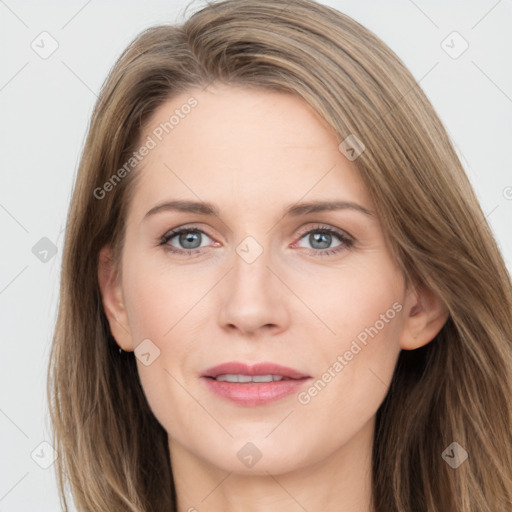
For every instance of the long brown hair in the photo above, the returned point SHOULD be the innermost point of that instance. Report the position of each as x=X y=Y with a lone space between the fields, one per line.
x=113 y=454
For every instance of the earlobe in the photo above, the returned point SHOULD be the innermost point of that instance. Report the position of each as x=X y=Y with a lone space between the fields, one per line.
x=112 y=299
x=426 y=314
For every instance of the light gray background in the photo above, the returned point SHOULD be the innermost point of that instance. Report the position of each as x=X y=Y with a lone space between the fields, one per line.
x=45 y=108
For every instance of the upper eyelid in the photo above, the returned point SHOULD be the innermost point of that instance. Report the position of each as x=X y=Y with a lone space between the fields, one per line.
x=180 y=229
x=320 y=227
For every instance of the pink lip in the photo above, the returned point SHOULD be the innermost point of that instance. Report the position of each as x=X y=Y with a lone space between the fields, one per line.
x=254 y=394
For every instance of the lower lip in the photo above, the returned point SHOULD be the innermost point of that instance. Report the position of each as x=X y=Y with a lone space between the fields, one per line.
x=254 y=393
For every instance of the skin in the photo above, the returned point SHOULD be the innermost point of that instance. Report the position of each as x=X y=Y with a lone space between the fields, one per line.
x=252 y=153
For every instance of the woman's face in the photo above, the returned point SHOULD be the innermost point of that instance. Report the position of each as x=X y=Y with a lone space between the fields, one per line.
x=314 y=291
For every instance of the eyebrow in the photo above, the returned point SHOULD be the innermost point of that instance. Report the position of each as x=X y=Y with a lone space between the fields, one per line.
x=294 y=210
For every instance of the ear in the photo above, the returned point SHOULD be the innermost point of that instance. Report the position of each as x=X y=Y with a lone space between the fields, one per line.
x=425 y=315
x=112 y=298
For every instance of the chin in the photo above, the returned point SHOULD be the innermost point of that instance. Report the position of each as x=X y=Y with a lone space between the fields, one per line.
x=259 y=456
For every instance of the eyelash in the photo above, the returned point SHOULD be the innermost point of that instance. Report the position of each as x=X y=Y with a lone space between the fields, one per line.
x=346 y=241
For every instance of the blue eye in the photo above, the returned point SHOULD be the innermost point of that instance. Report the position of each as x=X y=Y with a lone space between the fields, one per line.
x=189 y=238
x=320 y=238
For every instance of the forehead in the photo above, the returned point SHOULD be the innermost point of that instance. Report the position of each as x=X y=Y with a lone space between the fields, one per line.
x=257 y=145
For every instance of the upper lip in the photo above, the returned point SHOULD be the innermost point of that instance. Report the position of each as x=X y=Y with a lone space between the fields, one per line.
x=239 y=368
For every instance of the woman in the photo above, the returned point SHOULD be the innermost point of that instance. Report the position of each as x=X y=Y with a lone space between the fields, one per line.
x=204 y=358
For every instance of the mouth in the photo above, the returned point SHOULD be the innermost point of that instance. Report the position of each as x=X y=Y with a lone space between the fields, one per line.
x=246 y=379
x=253 y=385
x=266 y=371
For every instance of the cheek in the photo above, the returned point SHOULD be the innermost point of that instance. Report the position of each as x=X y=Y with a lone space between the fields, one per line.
x=157 y=298
x=156 y=310
x=356 y=302
x=363 y=308
x=370 y=312
x=161 y=302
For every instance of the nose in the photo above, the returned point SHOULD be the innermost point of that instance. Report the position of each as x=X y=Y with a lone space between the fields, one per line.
x=253 y=298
